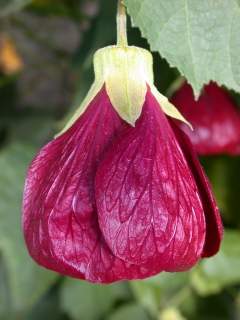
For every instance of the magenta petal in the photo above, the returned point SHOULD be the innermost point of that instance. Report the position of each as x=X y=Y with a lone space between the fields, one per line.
x=214 y=231
x=148 y=203
x=214 y=117
x=59 y=213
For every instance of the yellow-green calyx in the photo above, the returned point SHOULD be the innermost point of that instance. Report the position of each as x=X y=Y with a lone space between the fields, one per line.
x=126 y=72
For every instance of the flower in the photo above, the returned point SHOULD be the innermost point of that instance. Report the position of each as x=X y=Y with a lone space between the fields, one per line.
x=214 y=117
x=107 y=200
x=119 y=194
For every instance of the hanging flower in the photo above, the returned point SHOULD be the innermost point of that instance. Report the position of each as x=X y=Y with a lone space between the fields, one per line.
x=214 y=117
x=119 y=193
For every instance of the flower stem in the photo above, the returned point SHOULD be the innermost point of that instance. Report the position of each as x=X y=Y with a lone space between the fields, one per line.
x=121 y=25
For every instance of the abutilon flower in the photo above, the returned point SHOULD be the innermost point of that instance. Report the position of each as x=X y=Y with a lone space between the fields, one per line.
x=119 y=193
x=214 y=117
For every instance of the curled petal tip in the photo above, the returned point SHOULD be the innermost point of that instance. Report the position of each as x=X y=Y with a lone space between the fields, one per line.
x=168 y=108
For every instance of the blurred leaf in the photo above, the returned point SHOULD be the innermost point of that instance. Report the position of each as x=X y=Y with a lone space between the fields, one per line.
x=217 y=170
x=130 y=311
x=4 y=291
x=10 y=6
x=171 y=314
x=165 y=289
x=48 y=307
x=238 y=305
x=42 y=126
x=197 y=37
x=215 y=273
x=26 y=281
x=169 y=282
x=224 y=174
x=214 y=307
x=85 y=301
x=147 y=295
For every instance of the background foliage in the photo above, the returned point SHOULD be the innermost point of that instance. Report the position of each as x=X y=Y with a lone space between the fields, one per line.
x=45 y=69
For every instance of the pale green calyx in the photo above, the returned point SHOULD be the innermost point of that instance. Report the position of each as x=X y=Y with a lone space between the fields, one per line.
x=126 y=72
x=167 y=107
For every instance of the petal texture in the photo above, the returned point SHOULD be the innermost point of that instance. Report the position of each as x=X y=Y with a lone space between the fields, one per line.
x=215 y=119
x=214 y=231
x=149 y=207
x=59 y=212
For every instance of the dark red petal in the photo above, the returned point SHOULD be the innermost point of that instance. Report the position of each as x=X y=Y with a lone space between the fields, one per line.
x=59 y=214
x=214 y=231
x=214 y=117
x=148 y=203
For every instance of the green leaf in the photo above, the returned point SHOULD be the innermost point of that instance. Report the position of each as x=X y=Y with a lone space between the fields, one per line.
x=217 y=170
x=47 y=308
x=42 y=126
x=213 y=307
x=26 y=281
x=147 y=295
x=224 y=175
x=221 y=270
x=130 y=311
x=86 y=301
x=161 y=290
x=171 y=314
x=4 y=291
x=170 y=283
x=200 y=38
x=10 y=6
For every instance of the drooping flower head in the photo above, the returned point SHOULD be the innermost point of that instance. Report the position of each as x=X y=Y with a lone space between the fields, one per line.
x=119 y=193
x=214 y=117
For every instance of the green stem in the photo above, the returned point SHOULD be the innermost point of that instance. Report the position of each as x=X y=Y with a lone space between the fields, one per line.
x=121 y=25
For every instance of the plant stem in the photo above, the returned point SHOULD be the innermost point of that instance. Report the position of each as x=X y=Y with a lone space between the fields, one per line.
x=121 y=25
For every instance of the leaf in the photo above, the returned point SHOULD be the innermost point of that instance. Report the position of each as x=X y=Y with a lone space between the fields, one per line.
x=217 y=170
x=168 y=281
x=42 y=125
x=213 y=307
x=160 y=290
x=171 y=314
x=86 y=301
x=9 y=6
x=147 y=295
x=221 y=270
x=224 y=175
x=130 y=311
x=26 y=281
x=47 y=308
x=4 y=292
x=197 y=37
